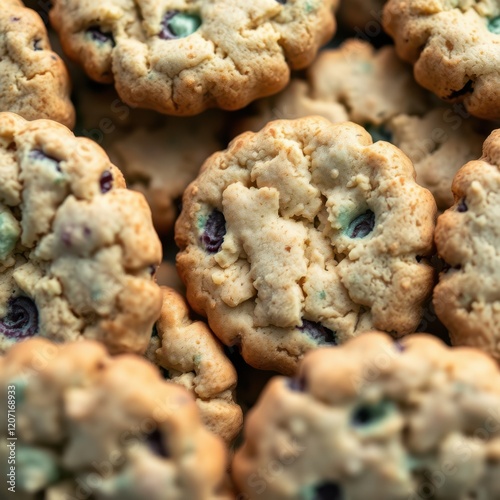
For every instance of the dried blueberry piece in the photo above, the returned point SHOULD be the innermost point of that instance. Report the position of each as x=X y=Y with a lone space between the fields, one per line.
x=297 y=384
x=361 y=226
x=399 y=346
x=494 y=25
x=21 y=320
x=327 y=491
x=318 y=332
x=379 y=133
x=39 y=155
x=97 y=35
x=214 y=232
x=37 y=45
x=177 y=24
x=155 y=442
x=106 y=181
x=462 y=206
x=371 y=413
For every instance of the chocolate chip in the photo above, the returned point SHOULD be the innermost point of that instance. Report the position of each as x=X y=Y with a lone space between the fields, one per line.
x=97 y=35
x=318 y=332
x=328 y=491
x=106 y=181
x=155 y=442
x=214 y=232
x=177 y=24
x=371 y=413
x=361 y=226
x=21 y=320
x=297 y=384
x=39 y=155
x=462 y=206
x=379 y=133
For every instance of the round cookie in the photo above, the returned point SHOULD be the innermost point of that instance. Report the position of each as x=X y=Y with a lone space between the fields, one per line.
x=376 y=90
x=77 y=249
x=455 y=49
x=467 y=236
x=193 y=358
x=303 y=234
x=376 y=419
x=180 y=57
x=86 y=428
x=160 y=162
x=33 y=79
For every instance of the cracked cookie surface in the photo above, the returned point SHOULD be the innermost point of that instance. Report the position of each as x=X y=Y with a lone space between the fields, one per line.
x=33 y=79
x=84 y=425
x=376 y=90
x=467 y=236
x=181 y=57
x=77 y=249
x=377 y=419
x=305 y=234
x=454 y=46
x=195 y=359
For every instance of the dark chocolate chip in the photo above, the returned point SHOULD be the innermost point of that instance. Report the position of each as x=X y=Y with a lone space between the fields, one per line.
x=21 y=320
x=297 y=384
x=97 y=35
x=318 y=332
x=328 y=491
x=214 y=232
x=156 y=444
x=361 y=226
x=462 y=206
x=39 y=155
x=379 y=133
x=106 y=181
x=371 y=413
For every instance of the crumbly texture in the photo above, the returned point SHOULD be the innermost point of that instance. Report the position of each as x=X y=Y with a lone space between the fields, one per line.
x=454 y=46
x=34 y=81
x=77 y=250
x=305 y=233
x=377 y=419
x=160 y=162
x=181 y=57
x=376 y=90
x=438 y=143
x=194 y=358
x=84 y=424
x=467 y=237
x=365 y=15
x=373 y=85
x=295 y=101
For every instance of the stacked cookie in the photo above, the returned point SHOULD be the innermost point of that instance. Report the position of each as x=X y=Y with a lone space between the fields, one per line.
x=295 y=235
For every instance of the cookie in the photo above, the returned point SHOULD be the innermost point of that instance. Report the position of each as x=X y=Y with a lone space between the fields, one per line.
x=466 y=298
x=455 y=49
x=191 y=356
x=86 y=428
x=376 y=90
x=77 y=249
x=183 y=57
x=376 y=419
x=303 y=234
x=438 y=143
x=160 y=162
x=34 y=80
